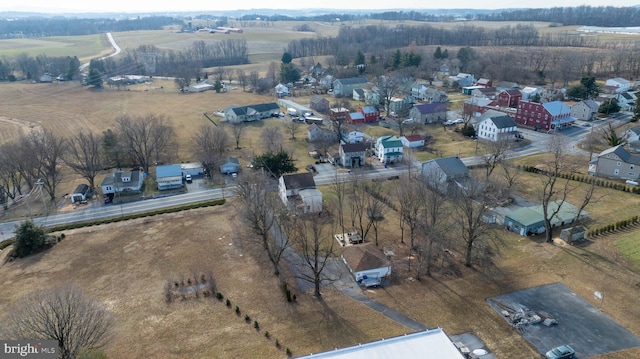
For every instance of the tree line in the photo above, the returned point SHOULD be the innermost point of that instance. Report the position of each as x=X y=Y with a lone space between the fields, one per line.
x=30 y=67
x=66 y=26
x=567 y=16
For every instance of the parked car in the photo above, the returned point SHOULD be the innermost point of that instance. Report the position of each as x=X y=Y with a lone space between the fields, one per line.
x=561 y=352
x=449 y=123
x=188 y=178
x=458 y=121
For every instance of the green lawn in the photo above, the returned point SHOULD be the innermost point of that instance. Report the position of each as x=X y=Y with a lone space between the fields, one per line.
x=628 y=245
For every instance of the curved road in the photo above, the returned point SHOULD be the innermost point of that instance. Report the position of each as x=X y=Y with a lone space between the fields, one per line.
x=116 y=52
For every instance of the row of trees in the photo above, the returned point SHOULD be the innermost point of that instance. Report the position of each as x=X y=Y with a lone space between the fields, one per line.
x=31 y=68
x=39 y=156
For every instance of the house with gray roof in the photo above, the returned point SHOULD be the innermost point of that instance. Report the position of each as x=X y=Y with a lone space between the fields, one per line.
x=447 y=174
x=616 y=163
x=586 y=110
x=249 y=113
x=299 y=194
x=620 y=84
x=122 y=181
x=230 y=165
x=345 y=87
x=319 y=103
x=626 y=100
x=352 y=154
x=497 y=128
x=633 y=138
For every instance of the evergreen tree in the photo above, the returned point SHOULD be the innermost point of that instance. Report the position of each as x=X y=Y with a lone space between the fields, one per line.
x=275 y=164
x=438 y=54
x=636 y=111
x=286 y=58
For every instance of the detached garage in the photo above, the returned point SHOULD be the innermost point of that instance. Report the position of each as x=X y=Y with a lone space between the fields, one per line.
x=81 y=193
x=169 y=177
x=366 y=262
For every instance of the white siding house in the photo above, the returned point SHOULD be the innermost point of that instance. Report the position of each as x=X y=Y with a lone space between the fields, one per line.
x=389 y=149
x=496 y=128
x=299 y=193
x=619 y=83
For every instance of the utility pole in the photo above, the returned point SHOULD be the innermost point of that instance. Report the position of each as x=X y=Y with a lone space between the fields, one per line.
x=40 y=183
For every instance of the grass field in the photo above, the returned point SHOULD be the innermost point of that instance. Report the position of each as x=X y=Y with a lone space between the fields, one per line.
x=86 y=46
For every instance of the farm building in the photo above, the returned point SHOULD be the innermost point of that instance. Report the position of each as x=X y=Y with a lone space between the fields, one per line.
x=169 y=177
x=81 y=193
x=530 y=220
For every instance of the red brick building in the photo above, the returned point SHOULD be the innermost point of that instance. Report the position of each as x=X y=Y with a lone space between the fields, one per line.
x=370 y=113
x=509 y=98
x=544 y=116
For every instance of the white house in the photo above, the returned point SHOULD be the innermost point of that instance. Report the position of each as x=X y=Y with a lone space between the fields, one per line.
x=530 y=92
x=619 y=83
x=412 y=141
x=122 y=181
x=366 y=261
x=199 y=87
x=633 y=138
x=418 y=90
x=169 y=177
x=282 y=90
x=586 y=110
x=496 y=128
x=626 y=100
x=389 y=149
x=299 y=193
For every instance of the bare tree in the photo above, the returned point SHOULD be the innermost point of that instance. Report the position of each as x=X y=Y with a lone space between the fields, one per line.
x=511 y=174
x=49 y=150
x=184 y=75
x=586 y=200
x=339 y=190
x=554 y=189
x=357 y=195
x=65 y=314
x=145 y=137
x=242 y=78
x=292 y=128
x=271 y=139
x=470 y=212
x=433 y=227
x=376 y=208
x=237 y=129
x=209 y=145
x=498 y=152
x=312 y=236
x=85 y=157
x=254 y=78
x=257 y=206
x=10 y=174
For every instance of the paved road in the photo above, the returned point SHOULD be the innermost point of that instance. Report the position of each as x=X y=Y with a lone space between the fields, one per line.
x=115 y=46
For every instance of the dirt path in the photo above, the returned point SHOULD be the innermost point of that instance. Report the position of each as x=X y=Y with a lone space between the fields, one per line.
x=25 y=125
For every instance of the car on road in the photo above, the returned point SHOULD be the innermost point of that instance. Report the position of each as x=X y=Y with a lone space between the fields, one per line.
x=561 y=352
x=586 y=125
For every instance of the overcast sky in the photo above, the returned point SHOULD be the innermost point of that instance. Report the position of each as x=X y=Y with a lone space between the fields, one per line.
x=213 y=5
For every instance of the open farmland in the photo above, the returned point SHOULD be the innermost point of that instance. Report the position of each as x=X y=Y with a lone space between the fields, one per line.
x=84 y=47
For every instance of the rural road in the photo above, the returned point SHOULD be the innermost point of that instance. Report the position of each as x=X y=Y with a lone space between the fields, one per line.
x=116 y=52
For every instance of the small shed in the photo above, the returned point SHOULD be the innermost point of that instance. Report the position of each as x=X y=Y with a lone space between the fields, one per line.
x=231 y=165
x=530 y=220
x=578 y=234
x=81 y=193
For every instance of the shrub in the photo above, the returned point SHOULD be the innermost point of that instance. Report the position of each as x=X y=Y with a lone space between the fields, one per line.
x=228 y=302
x=288 y=351
x=237 y=310
x=266 y=334
x=219 y=296
x=30 y=239
x=277 y=343
x=247 y=318
x=256 y=325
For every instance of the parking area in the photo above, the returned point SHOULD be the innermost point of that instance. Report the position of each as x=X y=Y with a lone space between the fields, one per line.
x=577 y=322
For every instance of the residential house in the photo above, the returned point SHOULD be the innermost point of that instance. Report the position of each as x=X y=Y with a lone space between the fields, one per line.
x=527 y=221
x=348 y=134
x=46 y=78
x=122 y=181
x=358 y=94
x=529 y=92
x=370 y=113
x=463 y=79
x=633 y=138
x=169 y=177
x=345 y=87
x=428 y=344
x=389 y=149
x=81 y=193
x=468 y=90
x=484 y=92
x=355 y=117
x=353 y=154
x=235 y=114
x=586 y=110
x=506 y=85
x=447 y=174
x=282 y=90
x=338 y=114
x=319 y=103
x=327 y=82
x=316 y=133
x=299 y=194
x=418 y=90
x=429 y=113
x=544 y=116
x=497 y=128
x=433 y=95
x=398 y=106
x=231 y=165
x=620 y=84
x=366 y=261
x=476 y=106
x=484 y=82
x=372 y=97
x=616 y=163
x=509 y=98
x=412 y=141
x=626 y=100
